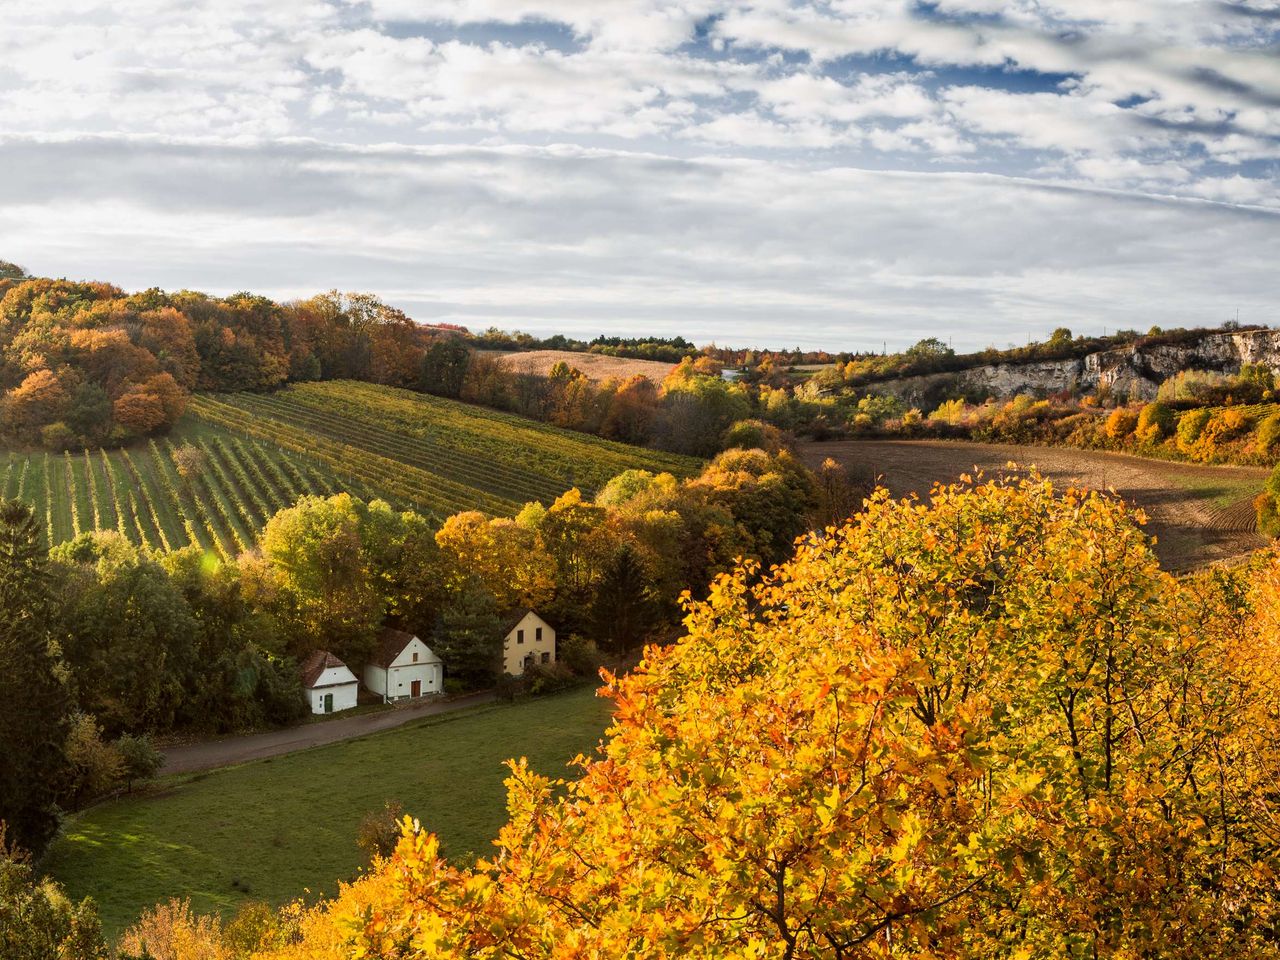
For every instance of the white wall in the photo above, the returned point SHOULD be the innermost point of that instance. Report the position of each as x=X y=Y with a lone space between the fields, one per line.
x=515 y=647
x=344 y=696
x=397 y=680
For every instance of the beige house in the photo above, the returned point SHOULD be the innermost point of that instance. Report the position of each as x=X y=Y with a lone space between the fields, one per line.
x=529 y=640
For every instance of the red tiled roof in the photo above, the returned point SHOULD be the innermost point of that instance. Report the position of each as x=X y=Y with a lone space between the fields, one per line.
x=390 y=643
x=317 y=663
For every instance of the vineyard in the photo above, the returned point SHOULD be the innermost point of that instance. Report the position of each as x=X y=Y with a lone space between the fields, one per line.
x=260 y=453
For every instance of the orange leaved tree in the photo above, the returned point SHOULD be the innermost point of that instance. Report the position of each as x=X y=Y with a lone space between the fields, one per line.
x=986 y=725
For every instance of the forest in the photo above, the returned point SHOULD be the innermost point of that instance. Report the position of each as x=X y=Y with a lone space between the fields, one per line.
x=986 y=724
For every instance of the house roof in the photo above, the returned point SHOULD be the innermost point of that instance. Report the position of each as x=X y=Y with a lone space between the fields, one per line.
x=515 y=616
x=316 y=664
x=390 y=643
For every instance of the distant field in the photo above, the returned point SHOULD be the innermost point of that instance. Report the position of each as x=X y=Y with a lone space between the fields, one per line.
x=596 y=366
x=285 y=825
x=264 y=451
x=1197 y=513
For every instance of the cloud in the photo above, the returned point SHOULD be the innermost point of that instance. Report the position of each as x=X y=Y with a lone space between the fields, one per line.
x=664 y=161
x=589 y=240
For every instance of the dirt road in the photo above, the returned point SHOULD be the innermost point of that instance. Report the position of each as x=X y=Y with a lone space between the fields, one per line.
x=1197 y=514
x=209 y=754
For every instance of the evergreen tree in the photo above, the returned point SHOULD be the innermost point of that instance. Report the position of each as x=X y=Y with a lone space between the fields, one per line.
x=469 y=636
x=34 y=706
x=624 y=610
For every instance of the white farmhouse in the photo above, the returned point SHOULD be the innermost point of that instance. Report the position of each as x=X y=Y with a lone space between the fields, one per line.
x=329 y=684
x=403 y=666
x=529 y=640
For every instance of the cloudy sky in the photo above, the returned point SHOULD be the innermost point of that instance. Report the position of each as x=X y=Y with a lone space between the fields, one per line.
x=769 y=172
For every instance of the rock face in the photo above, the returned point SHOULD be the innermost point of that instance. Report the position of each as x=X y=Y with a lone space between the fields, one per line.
x=1134 y=371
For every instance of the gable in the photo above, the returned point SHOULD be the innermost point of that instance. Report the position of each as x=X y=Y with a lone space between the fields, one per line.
x=529 y=623
x=405 y=657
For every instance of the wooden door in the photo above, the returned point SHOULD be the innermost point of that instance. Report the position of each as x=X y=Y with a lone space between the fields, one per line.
x=328 y=703
x=416 y=688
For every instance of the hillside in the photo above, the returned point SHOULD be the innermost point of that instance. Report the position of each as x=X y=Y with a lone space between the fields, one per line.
x=263 y=451
x=596 y=366
x=1132 y=370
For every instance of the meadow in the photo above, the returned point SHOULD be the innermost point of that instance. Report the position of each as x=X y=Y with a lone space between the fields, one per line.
x=270 y=829
x=263 y=451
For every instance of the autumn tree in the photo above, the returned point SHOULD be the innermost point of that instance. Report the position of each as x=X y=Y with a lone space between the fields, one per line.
x=508 y=560
x=982 y=725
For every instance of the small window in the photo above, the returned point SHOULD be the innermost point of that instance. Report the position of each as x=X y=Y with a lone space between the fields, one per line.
x=519 y=636
x=546 y=658
x=415 y=657
x=537 y=633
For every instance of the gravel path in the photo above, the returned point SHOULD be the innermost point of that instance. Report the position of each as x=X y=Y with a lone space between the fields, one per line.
x=210 y=754
x=1198 y=514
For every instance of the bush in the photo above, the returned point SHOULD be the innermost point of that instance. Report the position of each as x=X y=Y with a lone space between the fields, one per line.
x=951 y=412
x=141 y=759
x=580 y=655
x=1155 y=422
x=1121 y=423
x=380 y=831
x=1190 y=425
x=752 y=435
x=543 y=678
x=1268 y=434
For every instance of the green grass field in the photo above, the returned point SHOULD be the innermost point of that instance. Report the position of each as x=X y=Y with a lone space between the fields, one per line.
x=263 y=452
x=286 y=825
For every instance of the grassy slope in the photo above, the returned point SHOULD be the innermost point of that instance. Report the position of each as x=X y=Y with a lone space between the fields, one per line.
x=263 y=451
x=288 y=824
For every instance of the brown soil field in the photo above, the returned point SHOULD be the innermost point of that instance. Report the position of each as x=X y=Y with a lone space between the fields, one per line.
x=595 y=365
x=1197 y=514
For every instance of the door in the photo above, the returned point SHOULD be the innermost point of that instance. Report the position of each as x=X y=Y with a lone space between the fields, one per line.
x=328 y=703
x=416 y=688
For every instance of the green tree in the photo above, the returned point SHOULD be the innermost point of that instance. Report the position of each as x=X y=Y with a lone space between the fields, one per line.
x=38 y=922
x=624 y=609
x=444 y=366
x=130 y=640
x=330 y=594
x=140 y=757
x=34 y=705
x=469 y=638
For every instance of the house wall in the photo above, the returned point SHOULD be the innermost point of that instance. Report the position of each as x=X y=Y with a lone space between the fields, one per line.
x=515 y=650
x=396 y=681
x=344 y=696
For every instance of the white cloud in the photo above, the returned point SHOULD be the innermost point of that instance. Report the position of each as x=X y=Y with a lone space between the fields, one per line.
x=742 y=251
x=374 y=108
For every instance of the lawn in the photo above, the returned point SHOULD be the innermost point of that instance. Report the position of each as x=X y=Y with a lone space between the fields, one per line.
x=286 y=825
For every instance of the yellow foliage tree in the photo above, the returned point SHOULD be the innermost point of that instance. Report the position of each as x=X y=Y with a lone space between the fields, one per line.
x=986 y=725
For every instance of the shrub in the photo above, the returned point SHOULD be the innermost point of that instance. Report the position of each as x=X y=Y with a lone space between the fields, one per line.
x=1121 y=423
x=950 y=412
x=546 y=678
x=140 y=758
x=1268 y=434
x=1190 y=425
x=580 y=654
x=1155 y=422
x=379 y=831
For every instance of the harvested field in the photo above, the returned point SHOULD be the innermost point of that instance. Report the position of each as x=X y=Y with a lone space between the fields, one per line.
x=595 y=365
x=1198 y=514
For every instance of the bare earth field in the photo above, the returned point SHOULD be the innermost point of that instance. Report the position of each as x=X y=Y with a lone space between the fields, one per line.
x=596 y=366
x=1198 y=514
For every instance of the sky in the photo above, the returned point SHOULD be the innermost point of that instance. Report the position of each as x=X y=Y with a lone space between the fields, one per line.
x=848 y=174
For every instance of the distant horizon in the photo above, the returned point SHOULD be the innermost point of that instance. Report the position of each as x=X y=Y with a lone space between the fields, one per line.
x=586 y=331
x=776 y=172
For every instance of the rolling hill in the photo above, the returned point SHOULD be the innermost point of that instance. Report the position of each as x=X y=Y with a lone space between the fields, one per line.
x=262 y=452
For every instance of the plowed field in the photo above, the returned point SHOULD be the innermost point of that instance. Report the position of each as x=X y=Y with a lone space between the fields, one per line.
x=1198 y=514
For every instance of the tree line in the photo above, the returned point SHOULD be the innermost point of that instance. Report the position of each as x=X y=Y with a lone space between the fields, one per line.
x=983 y=725
x=143 y=642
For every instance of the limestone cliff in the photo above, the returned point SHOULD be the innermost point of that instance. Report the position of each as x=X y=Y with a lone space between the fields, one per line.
x=1134 y=371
